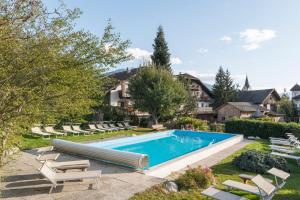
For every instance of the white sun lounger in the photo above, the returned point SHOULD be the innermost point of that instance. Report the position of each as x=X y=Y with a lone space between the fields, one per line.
x=43 y=158
x=39 y=132
x=279 y=174
x=77 y=128
x=297 y=158
x=54 y=177
x=68 y=129
x=93 y=128
x=66 y=165
x=42 y=150
x=113 y=126
x=263 y=187
x=50 y=129
x=109 y=128
x=286 y=143
x=283 y=150
x=280 y=146
x=128 y=125
x=221 y=195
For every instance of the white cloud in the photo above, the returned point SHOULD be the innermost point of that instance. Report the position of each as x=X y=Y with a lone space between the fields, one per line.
x=202 y=50
x=140 y=54
x=176 y=61
x=226 y=39
x=254 y=38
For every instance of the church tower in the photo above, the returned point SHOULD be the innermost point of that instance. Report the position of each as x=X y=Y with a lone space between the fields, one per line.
x=247 y=85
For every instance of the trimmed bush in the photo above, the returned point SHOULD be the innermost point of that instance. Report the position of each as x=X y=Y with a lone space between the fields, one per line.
x=198 y=124
x=259 y=162
x=263 y=129
x=195 y=178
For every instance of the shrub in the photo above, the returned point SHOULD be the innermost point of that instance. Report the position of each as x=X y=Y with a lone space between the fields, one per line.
x=195 y=178
x=216 y=127
x=263 y=129
x=198 y=124
x=259 y=162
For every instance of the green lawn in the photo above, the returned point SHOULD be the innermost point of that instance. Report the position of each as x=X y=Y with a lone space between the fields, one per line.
x=29 y=141
x=225 y=170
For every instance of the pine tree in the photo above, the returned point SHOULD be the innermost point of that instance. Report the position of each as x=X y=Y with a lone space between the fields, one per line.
x=161 y=55
x=224 y=89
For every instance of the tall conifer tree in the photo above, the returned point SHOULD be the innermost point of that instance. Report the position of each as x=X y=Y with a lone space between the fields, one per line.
x=161 y=55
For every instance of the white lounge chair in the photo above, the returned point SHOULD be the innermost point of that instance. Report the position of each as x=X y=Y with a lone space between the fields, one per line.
x=66 y=165
x=283 y=150
x=44 y=157
x=297 y=158
x=68 y=129
x=286 y=143
x=122 y=126
x=277 y=173
x=128 y=125
x=54 y=177
x=113 y=126
x=220 y=194
x=39 y=132
x=93 y=128
x=77 y=128
x=109 y=128
x=50 y=129
x=42 y=150
x=263 y=188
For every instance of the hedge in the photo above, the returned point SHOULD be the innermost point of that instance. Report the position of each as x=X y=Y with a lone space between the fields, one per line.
x=262 y=129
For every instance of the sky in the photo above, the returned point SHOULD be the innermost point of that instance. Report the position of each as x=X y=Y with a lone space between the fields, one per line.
x=260 y=38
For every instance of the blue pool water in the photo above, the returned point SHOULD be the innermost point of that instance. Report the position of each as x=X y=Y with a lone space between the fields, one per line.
x=165 y=146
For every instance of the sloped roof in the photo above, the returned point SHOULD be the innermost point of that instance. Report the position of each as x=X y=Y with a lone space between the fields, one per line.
x=203 y=86
x=244 y=106
x=296 y=87
x=255 y=96
x=124 y=75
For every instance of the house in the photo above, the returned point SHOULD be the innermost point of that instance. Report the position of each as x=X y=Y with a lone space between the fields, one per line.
x=203 y=94
x=236 y=109
x=296 y=95
x=295 y=90
x=250 y=103
x=118 y=94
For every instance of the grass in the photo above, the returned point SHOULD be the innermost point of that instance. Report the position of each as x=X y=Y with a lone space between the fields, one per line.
x=224 y=171
x=29 y=141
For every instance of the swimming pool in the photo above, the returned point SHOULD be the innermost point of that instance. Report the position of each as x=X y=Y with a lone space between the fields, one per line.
x=164 y=146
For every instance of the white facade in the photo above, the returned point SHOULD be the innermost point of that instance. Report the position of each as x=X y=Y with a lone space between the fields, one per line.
x=296 y=101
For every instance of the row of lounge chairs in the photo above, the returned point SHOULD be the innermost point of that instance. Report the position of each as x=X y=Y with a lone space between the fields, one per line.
x=286 y=147
x=76 y=130
x=262 y=187
x=57 y=172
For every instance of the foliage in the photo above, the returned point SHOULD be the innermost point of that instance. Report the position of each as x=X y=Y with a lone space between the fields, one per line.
x=195 y=178
x=259 y=162
x=161 y=55
x=263 y=129
x=224 y=90
x=217 y=127
x=48 y=70
x=155 y=91
x=190 y=105
x=198 y=124
x=288 y=108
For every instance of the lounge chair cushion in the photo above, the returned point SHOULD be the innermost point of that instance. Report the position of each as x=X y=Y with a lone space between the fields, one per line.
x=242 y=186
x=263 y=184
x=279 y=173
x=221 y=195
x=77 y=164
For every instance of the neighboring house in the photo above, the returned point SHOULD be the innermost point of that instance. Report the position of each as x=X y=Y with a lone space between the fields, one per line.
x=244 y=110
x=118 y=95
x=251 y=103
x=204 y=97
x=296 y=95
x=236 y=109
